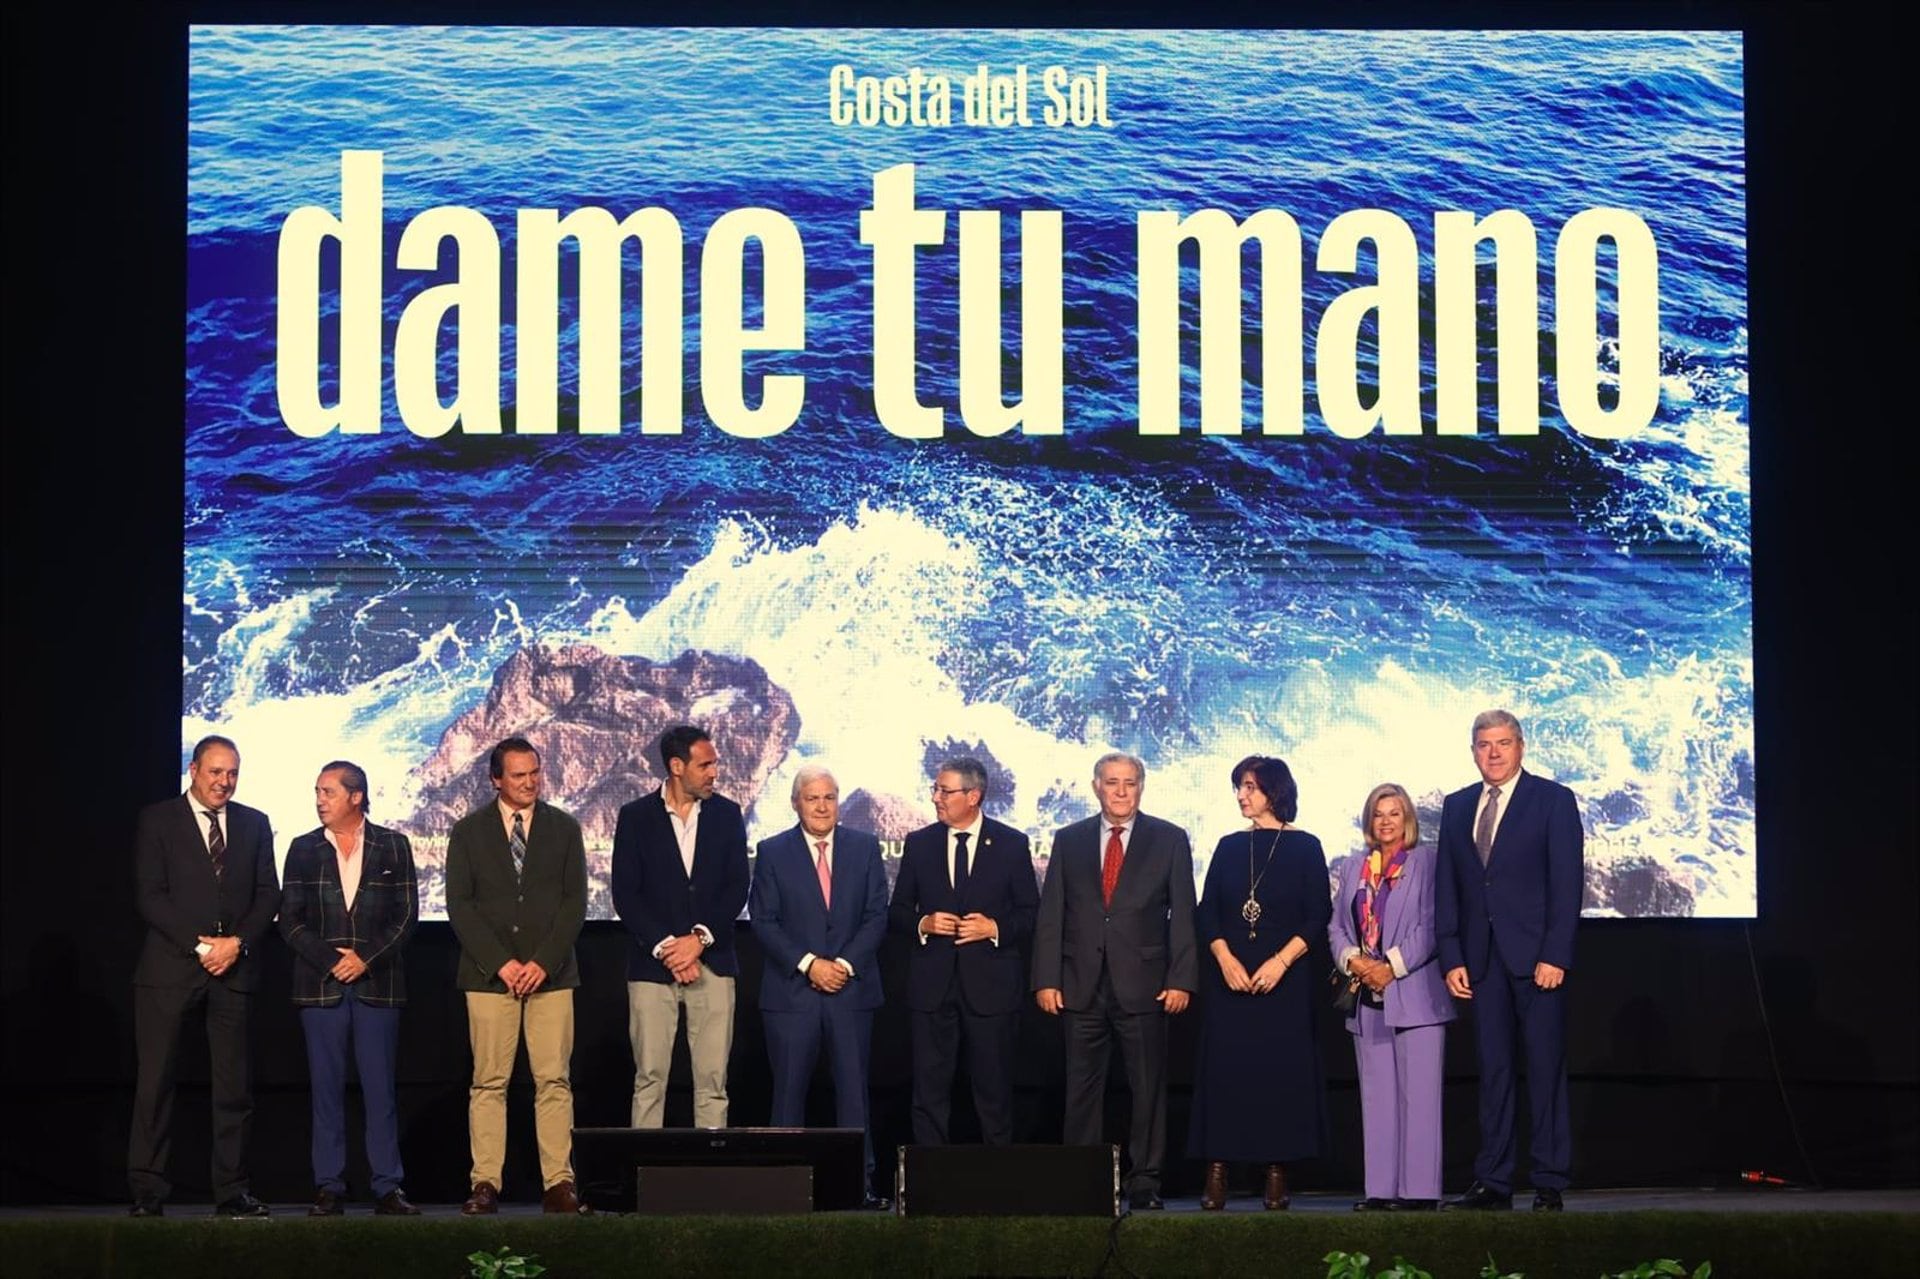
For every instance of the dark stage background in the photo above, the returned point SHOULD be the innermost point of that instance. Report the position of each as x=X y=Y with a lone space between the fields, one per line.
x=1673 y=1071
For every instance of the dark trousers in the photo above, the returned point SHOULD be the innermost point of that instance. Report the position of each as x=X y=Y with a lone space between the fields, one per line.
x=1513 y=1019
x=370 y=1036
x=794 y=1041
x=989 y=1039
x=159 y=1014
x=1142 y=1037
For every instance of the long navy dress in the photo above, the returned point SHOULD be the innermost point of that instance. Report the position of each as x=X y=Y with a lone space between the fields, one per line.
x=1258 y=1096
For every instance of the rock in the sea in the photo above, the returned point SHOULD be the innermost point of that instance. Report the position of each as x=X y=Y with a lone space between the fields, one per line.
x=596 y=720
x=888 y=816
x=1637 y=888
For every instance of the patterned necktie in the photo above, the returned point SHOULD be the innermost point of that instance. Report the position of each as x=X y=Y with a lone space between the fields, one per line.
x=1110 y=868
x=216 y=844
x=825 y=872
x=960 y=862
x=518 y=844
x=1483 y=833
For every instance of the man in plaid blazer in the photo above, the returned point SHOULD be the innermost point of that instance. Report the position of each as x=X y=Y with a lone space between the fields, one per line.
x=347 y=905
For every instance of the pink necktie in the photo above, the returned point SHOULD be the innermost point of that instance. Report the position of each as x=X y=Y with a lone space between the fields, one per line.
x=826 y=874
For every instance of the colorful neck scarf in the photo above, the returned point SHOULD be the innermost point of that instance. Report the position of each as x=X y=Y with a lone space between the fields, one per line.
x=1377 y=878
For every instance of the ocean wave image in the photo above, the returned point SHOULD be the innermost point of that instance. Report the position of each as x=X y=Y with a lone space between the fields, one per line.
x=407 y=586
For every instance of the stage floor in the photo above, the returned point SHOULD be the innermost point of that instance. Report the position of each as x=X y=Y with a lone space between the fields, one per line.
x=1772 y=1199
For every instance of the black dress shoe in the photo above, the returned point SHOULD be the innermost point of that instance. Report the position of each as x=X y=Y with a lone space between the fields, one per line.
x=1479 y=1198
x=874 y=1203
x=241 y=1205
x=1148 y=1202
x=326 y=1204
x=394 y=1204
x=1371 y=1204
x=147 y=1208
x=1546 y=1200
x=1412 y=1205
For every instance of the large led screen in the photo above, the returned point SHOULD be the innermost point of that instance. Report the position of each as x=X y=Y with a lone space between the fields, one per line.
x=869 y=397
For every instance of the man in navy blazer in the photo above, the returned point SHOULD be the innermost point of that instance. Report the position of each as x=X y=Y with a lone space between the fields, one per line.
x=966 y=892
x=819 y=908
x=1114 y=953
x=348 y=905
x=679 y=881
x=205 y=885
x=1505 y=907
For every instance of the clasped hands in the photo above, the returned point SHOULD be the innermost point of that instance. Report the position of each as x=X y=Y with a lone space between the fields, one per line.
x=1260 y=982
x=221 y=954
x=681 y=955
x=522 y=978
x=1374 y=974
x=826 y=975
x=970 y=927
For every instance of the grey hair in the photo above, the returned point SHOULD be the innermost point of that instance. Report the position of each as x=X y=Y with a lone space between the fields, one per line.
x=812 y=773
x=1390 y=790
x=1497 y=719
x=1121 y=757
x=972 y=773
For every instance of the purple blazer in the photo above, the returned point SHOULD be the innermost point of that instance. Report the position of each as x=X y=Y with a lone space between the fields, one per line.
x=1418 y=994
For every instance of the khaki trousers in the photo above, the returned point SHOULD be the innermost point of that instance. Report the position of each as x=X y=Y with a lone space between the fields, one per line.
x=495 y=1024
x=653 y=1019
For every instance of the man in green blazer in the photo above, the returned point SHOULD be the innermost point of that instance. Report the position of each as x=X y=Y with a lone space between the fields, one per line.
x=516 y=897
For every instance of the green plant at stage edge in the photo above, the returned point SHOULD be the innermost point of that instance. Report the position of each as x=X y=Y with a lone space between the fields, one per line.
x=504 y=1264
x=1353 y=1265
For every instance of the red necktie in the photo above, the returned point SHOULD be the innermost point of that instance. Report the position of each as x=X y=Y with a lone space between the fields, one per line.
x=1110 y=868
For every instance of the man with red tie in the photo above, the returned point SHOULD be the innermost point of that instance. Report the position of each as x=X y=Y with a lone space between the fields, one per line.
x=1114 y=957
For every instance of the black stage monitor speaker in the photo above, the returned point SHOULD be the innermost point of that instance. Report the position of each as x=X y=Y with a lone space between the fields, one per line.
x=1009 y=1181
x=743 y=1169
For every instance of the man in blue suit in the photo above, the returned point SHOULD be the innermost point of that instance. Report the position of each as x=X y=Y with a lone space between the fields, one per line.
x=1505 y=906
x=967 y=894
x=819 y=908
x=679 y=881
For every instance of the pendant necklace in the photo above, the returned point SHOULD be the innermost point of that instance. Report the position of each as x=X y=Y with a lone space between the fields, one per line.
x=1250 y=909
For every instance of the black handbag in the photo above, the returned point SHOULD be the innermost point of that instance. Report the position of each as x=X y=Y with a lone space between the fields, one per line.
x=1346 y=990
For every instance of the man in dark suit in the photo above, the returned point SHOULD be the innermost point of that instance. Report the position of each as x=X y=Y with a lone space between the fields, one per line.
x=967 y=894
x=348 y=904
x=1113 y=953
x=204 y=883
x=516 y=897
x=679 y=882
x=1505 y=906
x=819 y=908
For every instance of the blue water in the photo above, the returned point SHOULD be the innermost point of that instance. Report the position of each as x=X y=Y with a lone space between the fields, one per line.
x=1348 y=604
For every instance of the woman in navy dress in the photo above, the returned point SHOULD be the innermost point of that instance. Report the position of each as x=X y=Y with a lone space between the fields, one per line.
x=1258 y=1096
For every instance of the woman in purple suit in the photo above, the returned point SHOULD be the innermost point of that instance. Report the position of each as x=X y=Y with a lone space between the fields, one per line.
x=1382 y=934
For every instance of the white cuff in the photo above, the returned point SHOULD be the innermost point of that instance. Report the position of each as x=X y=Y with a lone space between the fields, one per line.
x=705 y=936
x=806 y=962
x=1346 y=957
x=660 y=949
x=1398 y=964
x=845 y=966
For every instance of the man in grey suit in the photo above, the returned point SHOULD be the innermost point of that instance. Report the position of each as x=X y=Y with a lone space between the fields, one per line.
x=1114 y=956
x=204 y=882
x=516 y=897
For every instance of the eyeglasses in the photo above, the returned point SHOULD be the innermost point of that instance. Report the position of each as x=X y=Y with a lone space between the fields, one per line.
x=950 y=790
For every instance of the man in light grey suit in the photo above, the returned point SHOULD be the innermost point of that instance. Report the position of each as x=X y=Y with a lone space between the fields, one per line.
x=1114 y=955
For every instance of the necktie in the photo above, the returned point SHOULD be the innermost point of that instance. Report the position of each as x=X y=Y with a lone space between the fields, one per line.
x=518 y=845
x=216 y=844
x=1483 y=833
x=825 y=872
x=1110 y=868
x=960 y=863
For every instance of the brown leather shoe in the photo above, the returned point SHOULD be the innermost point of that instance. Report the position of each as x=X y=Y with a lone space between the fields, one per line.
x=326 y=1203
x=394 y=1204
x=561 y=1198
x=1276 y=1197
x=483 y=1202
x=1214 y=1197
